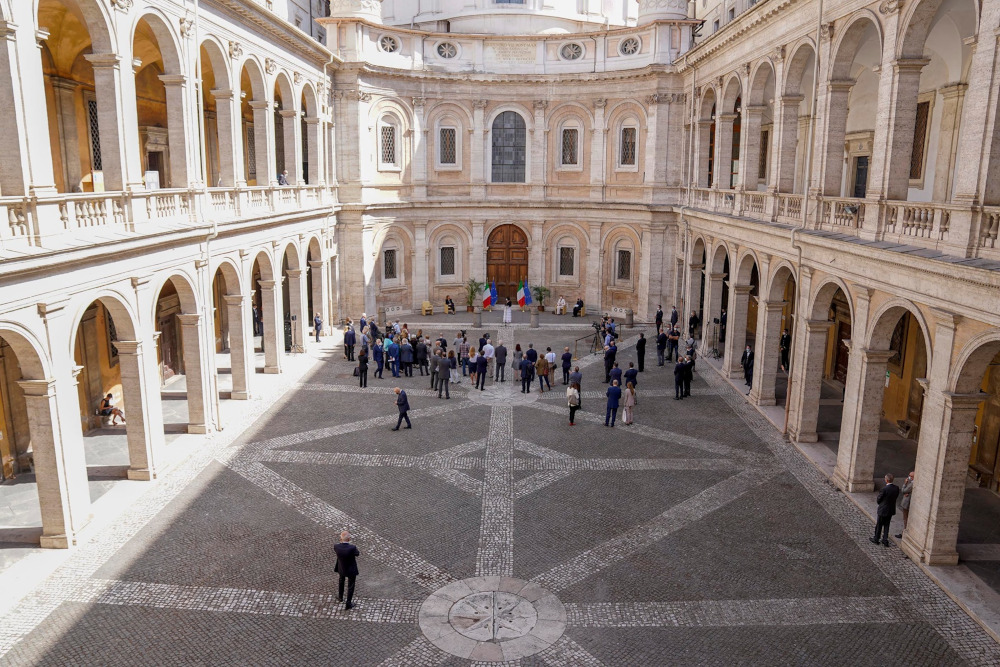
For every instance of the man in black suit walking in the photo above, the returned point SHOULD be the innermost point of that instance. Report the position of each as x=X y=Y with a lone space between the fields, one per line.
x=346 y=567
x=404 y=406
x=886 y=509
x=640 y=351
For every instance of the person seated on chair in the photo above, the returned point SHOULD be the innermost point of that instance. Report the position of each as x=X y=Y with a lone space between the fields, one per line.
x=107 y=409
x=561 y=306
x=449 y=305
x=577 y=308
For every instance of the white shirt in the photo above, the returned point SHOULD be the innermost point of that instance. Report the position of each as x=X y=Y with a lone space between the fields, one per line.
x=488 y=351
x=550 y=357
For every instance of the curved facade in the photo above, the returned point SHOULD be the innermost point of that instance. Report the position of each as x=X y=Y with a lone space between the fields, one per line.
x=201 y=185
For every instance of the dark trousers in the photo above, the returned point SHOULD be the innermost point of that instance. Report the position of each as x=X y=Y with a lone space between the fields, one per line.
x=402 y=416
x=350 y=353
x=611 y=414
x=687 y=387
x=672 y=352
x=607 y=371
x=525 y=385
x=678 y=389
x=443 y=383
x=363 y=378
x=882 y=527
x=481 y=381
x=659 y=356
x=395 y=368
x=572 y=413
x=317 y=334
x=465 y=366
x=642 y=361
x=434 y=379
x=566 y=375
x=378 y=370
x=408 y=369
x=501 y=373
x=350 y=588
x=422 y=366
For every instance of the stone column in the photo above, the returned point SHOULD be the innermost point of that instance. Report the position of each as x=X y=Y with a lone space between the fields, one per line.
x=750 y=148
x=946 y=431
x=298 y=305
x=420 y=288
x=952 y=98
x=724 y=150
x=292 y=130
x=64 y=92
x=197 y=396
x=478 y=149
x=786 y=128
x=537 y=163
x=177 y=128
x=713 y=309
x=862 y=418
x=692 y=300
x=536 y=257
x=262 y=143
x=314 y=150
x=597 y=150
x=803 y=406
x=320 y=280
x=595 y=279
x=240 y=345
x=60 y=467
x=419 y=149
x=898 y=86
x=766 y=352
x=477 y=260
x=736 y=329
x=831 y=148
x=24 y=171
x=229 y=128
x=703 y=137
x=143 y=412
x=270 y=312
x=651 y=259
x=119 y=150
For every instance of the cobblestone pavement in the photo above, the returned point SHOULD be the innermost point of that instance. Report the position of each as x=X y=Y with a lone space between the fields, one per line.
x=495 y=533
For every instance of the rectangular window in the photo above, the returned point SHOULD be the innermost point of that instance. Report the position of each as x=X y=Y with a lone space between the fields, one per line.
x=448 y=261
x=919 y=140
x=762 y=160
x=387 y=144
x=570 y=146
x=448 y=153
x=715 y=25
x=95 y=136
x=389 y=265
x=251 y=156
x=566 y=260
x=624 y=265
x=732 y=13
x=628 y=146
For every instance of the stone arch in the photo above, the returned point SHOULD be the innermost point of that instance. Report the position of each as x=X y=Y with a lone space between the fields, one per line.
x=967 y=374
x=524 y=112
x=698 y=249
x=494 y=224
x=918 y=19
x=461 y=241
x=166 y=38
x=781 y=272
x=573 y=107
x=230 y=275
x=126 y=321
x=314 y=249
x=614 y=239
x=445 y=109
x=731 y=90
x=184 y=284
x=798 y=60
x=394 y=107
x=220 y=63
x=884 y=320
x=310 y=100
x=262 y=258
x=291 y=251
x=551 y=239
x=30 y=352
x=283 y=88
x=618 y=113
x=854 y=32
x=823 y=293
x=719 y=256
x=758 y=81
x=745 y=262
x=708 y=104
x=95 y=16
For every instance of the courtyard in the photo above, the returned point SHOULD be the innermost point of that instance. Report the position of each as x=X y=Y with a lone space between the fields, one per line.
x=495 y=532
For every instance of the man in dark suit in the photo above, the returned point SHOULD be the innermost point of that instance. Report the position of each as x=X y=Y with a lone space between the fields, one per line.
x=673 y=344
x=616 y=374
x=673 y=316
x=659 y=318
x=610 y=352
x=404 y=406
x=346 y=567
x=632 y=375
x=420 y=353
x=482 y=370
x=500 y=358
x=661 y=347
x=393 y=357
x=886 y=509
x=443 y=375
x=746 y=361
x=679 y=371
x=640 y=350
x=567 y=362
x=406 y=357
x=526 y=368
x=531 y=354
x=785 y=348
x=688 y=375
x=350 y=340
x=363 y=368
x=614 y=394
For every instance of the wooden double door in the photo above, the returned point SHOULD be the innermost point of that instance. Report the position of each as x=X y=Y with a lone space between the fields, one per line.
x=507 y=260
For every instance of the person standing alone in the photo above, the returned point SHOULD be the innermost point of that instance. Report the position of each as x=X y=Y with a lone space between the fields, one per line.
x=346 y=567
x=363 y=368
x=573 y=401
x=404 y=406
x=640 y=351
x=886 y=500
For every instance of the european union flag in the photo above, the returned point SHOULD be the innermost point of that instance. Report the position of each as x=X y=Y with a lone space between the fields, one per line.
x=493 y=293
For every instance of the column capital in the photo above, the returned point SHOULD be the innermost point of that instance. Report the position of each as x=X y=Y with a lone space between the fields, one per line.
x=103 y=60
x=909 y=65
x=840 y=85
x=222 y=93
x=267 y=284
x=772 y=306
x=53 y=309
x=294 y=273
x=876 y=356
x=234 y=299
x=963 y=401
x=60 y=83
x=816 y=326
x=173 y=79
x=315 y=264
x=258 y=105
x=945 y=319
x=792 y=99
x=129 y=346
x=288 y=113
x=728 y=117
x=717 y=276
x=40 y=388
x=189 y=319
x=953 y=90
x=311 y=120
x=696 y=267
x=742 y=290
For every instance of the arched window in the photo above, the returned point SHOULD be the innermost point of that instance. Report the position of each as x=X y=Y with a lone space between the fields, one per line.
x=566 y=259
x=449 y=259
x=623 y=263
x=509 y=152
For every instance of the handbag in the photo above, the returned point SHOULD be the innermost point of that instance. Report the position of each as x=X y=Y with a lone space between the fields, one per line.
x=357 y=371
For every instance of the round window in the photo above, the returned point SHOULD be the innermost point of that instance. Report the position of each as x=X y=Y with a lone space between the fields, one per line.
x=571 y=51
x=629 y=47
x=388 y=43
x=447 y=50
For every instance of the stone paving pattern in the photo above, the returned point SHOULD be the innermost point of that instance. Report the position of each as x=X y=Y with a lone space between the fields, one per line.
x=696 y=536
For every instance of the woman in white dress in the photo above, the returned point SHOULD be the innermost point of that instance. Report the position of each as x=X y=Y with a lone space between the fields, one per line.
x=506 y=312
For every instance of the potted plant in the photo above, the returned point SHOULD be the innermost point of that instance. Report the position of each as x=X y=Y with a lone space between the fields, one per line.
x=473 y=291
x=541 y=293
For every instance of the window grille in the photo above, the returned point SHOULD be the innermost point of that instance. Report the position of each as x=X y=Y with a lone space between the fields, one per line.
x=387 y=149
x=251 y=157
x=509 y=148
x=569 y=146
x=624 y=265
x=571 y=51
x=448 y=152
x=448 y=261
x=95 y=136
x=279 y=142
x=762 y=160
x=389 y=265
x=389 y=44
x=566 y=260
x=447 y=50
x=628 y=146
x=919 y=140
x=629 y=47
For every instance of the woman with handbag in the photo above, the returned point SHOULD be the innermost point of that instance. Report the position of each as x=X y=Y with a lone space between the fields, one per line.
x=573 y=401
x=629 y=403
x=516 y=356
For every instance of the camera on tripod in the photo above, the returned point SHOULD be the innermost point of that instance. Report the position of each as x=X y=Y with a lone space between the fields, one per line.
x=597 y=326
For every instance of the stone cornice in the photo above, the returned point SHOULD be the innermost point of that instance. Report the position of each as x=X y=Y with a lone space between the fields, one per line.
x=647 y=72
x=761 y=13
x=268 y=22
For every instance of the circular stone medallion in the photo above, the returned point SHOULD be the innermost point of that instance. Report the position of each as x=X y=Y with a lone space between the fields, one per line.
x=492 y=619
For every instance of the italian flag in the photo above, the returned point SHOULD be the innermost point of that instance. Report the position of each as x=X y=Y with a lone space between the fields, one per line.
x=520 y=294
x=487 y=297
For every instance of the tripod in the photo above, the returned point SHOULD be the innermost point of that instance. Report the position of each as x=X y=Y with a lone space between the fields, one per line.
x=598 y=345
x=715 y=338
